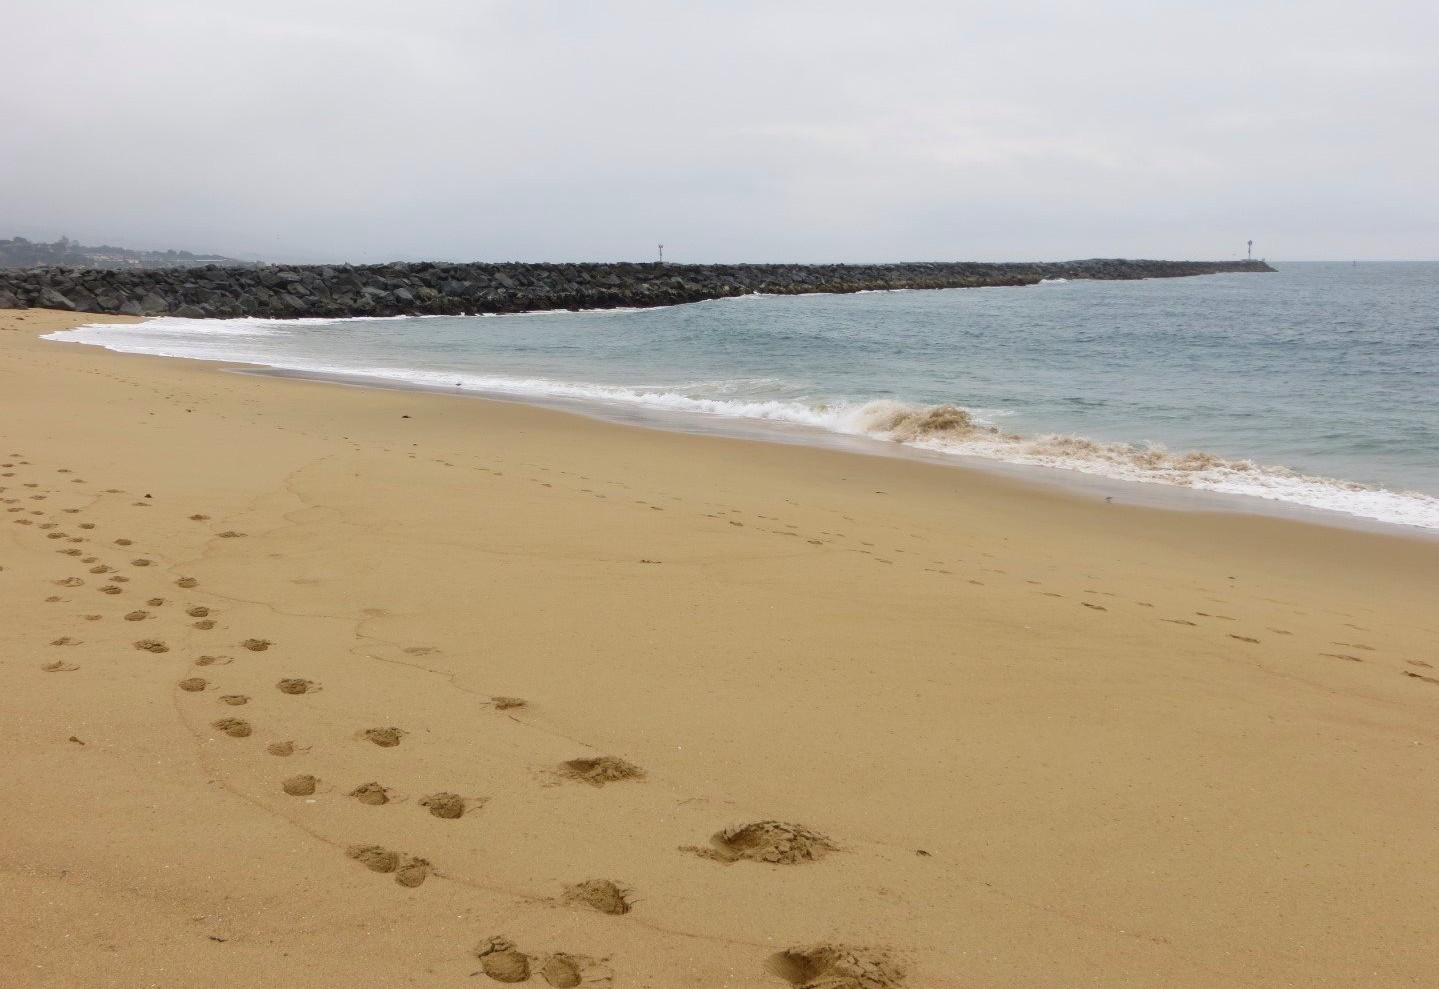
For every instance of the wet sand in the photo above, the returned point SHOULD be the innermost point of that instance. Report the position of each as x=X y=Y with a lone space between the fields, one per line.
x=666 y=706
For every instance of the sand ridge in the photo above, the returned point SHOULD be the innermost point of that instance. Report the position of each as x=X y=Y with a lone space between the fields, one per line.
x=1029 y=738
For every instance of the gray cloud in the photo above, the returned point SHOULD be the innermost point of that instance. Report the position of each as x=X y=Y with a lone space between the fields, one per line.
x=732 y=131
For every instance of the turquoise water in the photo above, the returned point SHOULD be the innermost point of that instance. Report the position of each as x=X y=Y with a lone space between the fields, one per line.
x=1318 y=385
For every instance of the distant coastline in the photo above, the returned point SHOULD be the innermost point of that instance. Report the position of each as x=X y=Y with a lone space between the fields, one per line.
x=20 y=252
x=430 y=288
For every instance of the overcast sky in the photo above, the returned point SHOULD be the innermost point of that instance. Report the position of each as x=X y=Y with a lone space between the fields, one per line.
x=764 y=131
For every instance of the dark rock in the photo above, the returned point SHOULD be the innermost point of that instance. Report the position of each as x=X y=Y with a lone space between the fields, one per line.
x=153 y=305
x=51 y=299
x=83 y=301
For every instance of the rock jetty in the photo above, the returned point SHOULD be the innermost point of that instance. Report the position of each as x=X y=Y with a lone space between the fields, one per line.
x=432 y=288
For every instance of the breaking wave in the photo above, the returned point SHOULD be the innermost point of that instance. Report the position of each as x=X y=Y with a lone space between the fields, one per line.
x=947 y=429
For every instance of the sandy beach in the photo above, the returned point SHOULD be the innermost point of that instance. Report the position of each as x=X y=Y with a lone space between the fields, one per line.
x=314 y=685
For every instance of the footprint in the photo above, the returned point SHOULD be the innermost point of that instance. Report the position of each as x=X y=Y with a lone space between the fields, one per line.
x=193 y=684
x=599 y=894
x=204 y=624
x=413 y=872
x=385 y=738
x=372 y=794
x=836 y=965
x=230 y=534
x=503 y=703
x=151 y=645
x=233 y=727
x=140 y=562
x=137 y=616
x=502 y=961
x=767 y=841
x=234 y=700
x=565 y=971
x=59 y=666
x=302 y=785
x=198 y=611
x=213 y=661
x=187 y=582
x=295 y=685
x=449 y=806
x=408 y=871
x=257 y=645
x=376 y=858
x=601 y=770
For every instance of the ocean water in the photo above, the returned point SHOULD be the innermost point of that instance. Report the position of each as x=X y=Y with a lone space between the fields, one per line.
x=1316 y=386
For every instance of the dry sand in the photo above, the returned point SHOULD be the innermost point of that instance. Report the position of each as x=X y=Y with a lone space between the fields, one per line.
x=1010 y=737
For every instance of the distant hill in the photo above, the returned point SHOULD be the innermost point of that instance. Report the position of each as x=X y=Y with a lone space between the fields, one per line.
x=21 y=253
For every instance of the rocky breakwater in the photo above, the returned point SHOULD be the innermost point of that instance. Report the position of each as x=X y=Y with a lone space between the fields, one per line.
x=429 y=288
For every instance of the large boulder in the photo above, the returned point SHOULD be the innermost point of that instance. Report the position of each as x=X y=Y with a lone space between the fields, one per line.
x=153 y=305
x=84 y=301
x=51 y=299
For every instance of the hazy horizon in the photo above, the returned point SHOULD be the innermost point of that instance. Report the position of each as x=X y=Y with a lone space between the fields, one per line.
x=731 y=132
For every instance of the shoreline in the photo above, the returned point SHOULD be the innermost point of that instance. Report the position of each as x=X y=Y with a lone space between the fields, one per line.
x=1064 y=481
x=1157 y=491
x=1027 y=738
